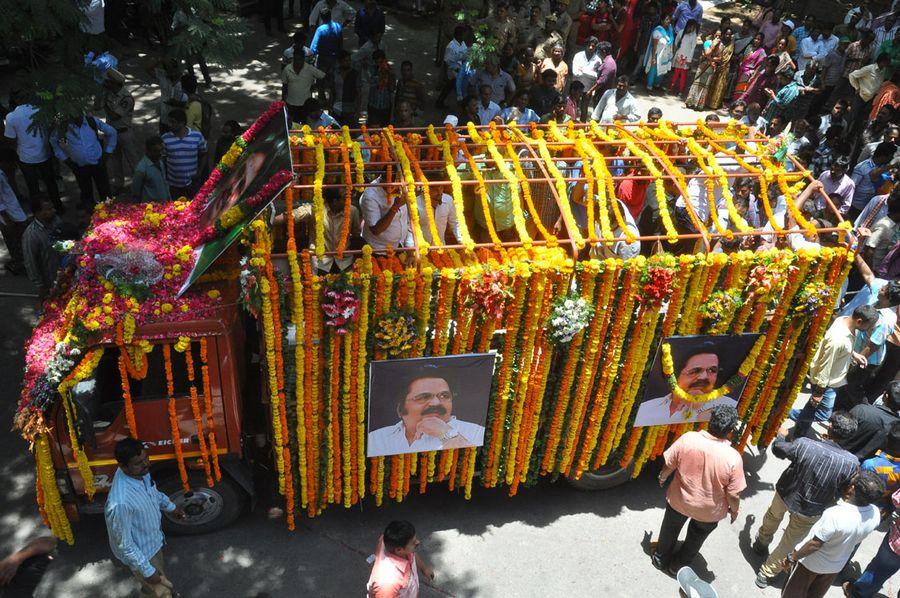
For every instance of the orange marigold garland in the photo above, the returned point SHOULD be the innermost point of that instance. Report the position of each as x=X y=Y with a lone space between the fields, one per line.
x=198 y=417
x=173 y=417
x=126 y=395
x=207 y=405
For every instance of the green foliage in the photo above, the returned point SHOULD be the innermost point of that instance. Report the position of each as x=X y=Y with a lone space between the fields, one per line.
x=45 y=37
x=208 y=27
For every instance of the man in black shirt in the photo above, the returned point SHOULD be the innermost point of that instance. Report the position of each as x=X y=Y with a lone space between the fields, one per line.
x=543 y=96
x=875 y=423
x=819 y=472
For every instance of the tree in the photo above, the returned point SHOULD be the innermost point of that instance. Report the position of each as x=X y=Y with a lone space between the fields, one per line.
x=46 y=40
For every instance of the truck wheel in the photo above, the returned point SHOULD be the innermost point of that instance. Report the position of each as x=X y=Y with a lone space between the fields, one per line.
x=608 y=476
x=207 y=508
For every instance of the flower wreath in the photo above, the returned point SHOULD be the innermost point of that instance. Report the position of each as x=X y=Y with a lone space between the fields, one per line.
x=489 y=292
x=811 y=298
x=658 y=283
x=396 y=331
x=570 y=315
x=721 y=303
x=735 y=382
x=341 y=306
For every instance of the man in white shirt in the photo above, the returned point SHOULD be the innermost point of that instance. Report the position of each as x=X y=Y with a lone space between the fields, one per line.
x=445 y=219
x=426 y=421
x=386 y=223
x=699 y=202
x=586 y=63
x=835 y=180
x=617 y=104
x=811 y=48
x=33 y=152
x=455 y=55
x=825 y=550
x=487 y=108
x=829 y=39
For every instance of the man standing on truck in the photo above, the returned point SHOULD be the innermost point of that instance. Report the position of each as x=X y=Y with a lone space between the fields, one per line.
x=133 y=519
x=709 y=477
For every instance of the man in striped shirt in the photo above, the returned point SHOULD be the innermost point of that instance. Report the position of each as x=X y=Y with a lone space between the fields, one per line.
x=819 y=473
x=133 y=519
x=185 y=152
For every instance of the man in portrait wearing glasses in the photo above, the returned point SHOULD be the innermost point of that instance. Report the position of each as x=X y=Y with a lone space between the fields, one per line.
x=697 y=372
x=426 y=421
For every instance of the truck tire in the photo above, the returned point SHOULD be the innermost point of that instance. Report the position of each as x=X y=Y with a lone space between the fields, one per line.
x=208 y=508
x=604 y=478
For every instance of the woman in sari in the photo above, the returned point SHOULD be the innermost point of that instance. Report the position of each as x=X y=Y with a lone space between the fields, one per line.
x=785 y=62
x=658 y=57
x=721 y=68
x=712 y=49
x=765 y=78
x=752 y=62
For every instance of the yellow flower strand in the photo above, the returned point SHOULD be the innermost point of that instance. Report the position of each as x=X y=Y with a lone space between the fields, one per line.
x=512 y=182
x=455 y=187
x=647 y=160
x=319 y=201
x=481 y=189
x=411 y=203
x=526 y=192
x=588 y=174
x=606 y=191
x=426 y=195
x=46 y=478
x=561 y=189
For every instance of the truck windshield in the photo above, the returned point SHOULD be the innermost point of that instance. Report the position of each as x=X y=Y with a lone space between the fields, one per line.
x=98 y=398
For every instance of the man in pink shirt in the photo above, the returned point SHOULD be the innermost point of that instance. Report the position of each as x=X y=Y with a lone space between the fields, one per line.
x=709 y=477
x=395 y=573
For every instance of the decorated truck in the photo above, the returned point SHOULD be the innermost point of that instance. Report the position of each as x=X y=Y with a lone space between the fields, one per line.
x=551 y=339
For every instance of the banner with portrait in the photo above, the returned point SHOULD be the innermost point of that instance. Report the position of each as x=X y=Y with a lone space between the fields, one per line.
x=428 y=403
x=704 y=371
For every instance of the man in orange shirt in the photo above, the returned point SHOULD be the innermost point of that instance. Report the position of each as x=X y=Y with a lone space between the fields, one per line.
x=709 y=477
x=395 y=573
x=888 y=95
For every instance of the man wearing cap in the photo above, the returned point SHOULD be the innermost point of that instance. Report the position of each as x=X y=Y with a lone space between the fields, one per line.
x=787 y=32
x=118 y=106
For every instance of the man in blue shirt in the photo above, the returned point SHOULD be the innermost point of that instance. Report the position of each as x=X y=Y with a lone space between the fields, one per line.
x=80 y=147
x=868 y=176
x=133 y=519
x=326 y=43
x=689 y=10
x=185 y=152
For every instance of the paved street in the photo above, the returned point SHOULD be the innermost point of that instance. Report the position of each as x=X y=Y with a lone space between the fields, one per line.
x=548 y=541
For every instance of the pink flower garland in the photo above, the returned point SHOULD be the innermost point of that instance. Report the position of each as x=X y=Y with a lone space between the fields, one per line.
x=341 y=307
x=202 y=196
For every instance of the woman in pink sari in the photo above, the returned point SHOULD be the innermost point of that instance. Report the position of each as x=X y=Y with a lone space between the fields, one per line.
x=753 y=59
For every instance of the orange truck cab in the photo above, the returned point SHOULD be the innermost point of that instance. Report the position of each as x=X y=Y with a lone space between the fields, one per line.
x=102 y=422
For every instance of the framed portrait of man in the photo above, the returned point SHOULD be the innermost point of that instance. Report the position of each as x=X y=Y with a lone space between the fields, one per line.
x=701 y=364
x=428 y=403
